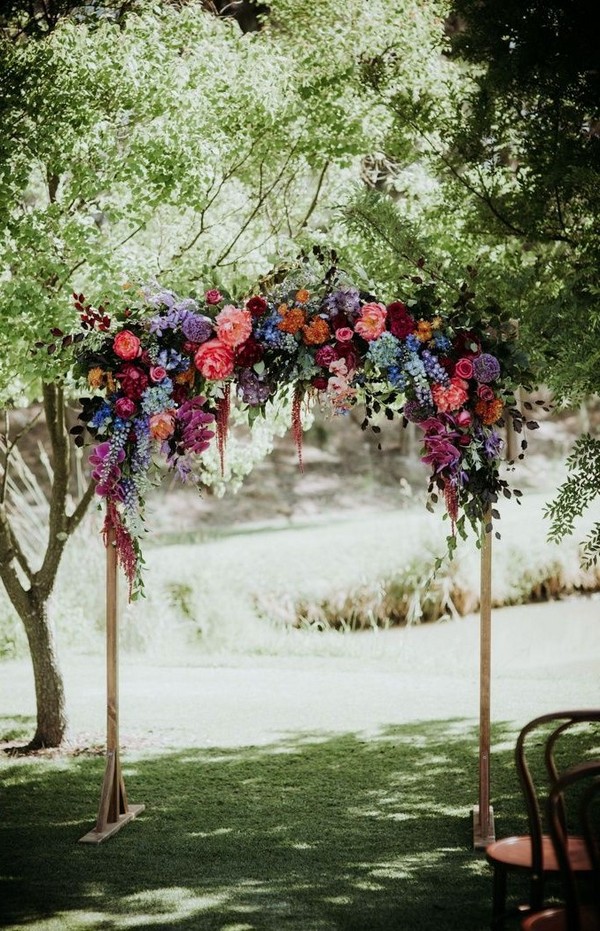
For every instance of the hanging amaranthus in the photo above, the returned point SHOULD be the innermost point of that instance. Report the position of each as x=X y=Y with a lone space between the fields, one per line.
x=223 y=411
x=297 y=422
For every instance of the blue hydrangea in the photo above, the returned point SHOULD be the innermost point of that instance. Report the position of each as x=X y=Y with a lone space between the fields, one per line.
x=158 y=398
x=397 y=377
x=269 y=332
x=384 y=351
x=441 y=342
x=412 y=343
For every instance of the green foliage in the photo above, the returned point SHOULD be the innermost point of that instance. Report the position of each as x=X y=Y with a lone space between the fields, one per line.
x=576 y=495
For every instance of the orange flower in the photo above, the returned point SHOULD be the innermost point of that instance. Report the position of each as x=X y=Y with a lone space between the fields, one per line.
x=316 y=332
x=110 y=383
x=185 y=378
x=489 y=411
x=302 y=296
x=282 y=309
x=96 y=377
x=293 y=321
x=162 y=425
x=424 y=331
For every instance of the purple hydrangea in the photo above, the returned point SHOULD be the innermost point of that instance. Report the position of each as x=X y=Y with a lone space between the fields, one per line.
x=197 y=328
x=415 y=412
x=486 y=368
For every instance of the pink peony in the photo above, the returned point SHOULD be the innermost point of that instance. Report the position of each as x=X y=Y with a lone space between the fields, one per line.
x=214 y=359
x=157 y=373
x=213 y=296
x=126 y=345
x=125 y=408
x=162 y=425
x=234 y=326
x=464 y=368
x=344 y=334
x=371 y=322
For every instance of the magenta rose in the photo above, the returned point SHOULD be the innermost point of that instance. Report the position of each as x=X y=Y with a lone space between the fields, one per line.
x=463 y=418
x=134 y=381
x=464 y=368
x=400 y=323
x=325 y=356
x=214 y=360
x=485 y=393
x=213 y=296
x=125 y=408
x=157 y=373
x=126 y=345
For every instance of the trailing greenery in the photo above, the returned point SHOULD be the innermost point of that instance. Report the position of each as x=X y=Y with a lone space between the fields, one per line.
x=576 y=494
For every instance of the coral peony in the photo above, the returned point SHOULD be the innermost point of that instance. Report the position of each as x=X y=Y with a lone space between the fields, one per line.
x=234 y=326
x=214 y=359
x=371 y=322
x=162 y=425
x=126 y=345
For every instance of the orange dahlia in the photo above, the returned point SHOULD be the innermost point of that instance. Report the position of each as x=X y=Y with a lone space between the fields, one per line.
x=302 y=296
x=293 y=320
x=489 y=411
x=316 y=332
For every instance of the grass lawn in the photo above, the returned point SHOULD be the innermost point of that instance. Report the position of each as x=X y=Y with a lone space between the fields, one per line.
x=316 y=832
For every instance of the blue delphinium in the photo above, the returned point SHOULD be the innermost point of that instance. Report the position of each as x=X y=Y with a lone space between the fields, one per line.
x=397 y=377
x=441 y=342
x=140 y=460
x=102 y=417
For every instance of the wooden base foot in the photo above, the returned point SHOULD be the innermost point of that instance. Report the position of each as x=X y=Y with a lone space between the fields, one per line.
x=96 y=837
x=482 y=838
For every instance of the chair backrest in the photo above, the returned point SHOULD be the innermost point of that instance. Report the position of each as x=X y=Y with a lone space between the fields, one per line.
x=562 y=721
x=587 y=776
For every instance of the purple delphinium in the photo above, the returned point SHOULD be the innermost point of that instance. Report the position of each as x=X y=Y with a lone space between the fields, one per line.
x=493 y=445
x=486 y=368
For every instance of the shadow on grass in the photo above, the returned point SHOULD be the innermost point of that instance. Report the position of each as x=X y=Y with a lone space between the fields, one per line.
x=16 y=727
x=314 y=832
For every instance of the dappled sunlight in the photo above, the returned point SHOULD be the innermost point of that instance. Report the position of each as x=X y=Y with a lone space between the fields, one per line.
x=333 y=832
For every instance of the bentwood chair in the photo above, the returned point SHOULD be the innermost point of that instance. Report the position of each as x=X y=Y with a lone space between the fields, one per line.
x=573 y=916
x=533 y=853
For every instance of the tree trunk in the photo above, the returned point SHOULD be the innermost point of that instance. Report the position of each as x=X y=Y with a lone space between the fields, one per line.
x=49 y=686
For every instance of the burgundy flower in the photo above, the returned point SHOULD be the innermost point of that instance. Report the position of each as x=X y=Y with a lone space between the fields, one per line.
x=257 y=306
x=400 y=323
x=125 y=408
x=249 y=353
x=325 y=356
x=133 y=380
x=320 y=382
x=464 y=342
x=485 y=393
x=347 y=352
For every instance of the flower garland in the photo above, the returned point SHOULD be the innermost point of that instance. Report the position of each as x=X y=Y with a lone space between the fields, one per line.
x=163 y=369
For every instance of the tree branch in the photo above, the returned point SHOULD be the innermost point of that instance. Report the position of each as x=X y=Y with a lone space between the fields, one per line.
x=315 y=199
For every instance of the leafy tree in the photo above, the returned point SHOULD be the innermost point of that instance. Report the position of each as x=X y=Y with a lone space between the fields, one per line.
x=159 y=141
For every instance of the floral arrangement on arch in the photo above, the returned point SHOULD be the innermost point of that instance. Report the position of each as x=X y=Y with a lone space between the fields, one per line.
x=162 y=370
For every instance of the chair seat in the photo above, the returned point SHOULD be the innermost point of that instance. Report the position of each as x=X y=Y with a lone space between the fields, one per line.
x=555 y=919
x=515 y=852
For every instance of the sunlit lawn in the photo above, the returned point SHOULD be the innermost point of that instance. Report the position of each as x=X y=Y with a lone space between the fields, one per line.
x=314 y=832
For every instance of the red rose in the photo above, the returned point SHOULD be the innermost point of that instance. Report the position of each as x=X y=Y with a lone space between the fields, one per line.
x=400 y=322
x=157 y=373
x=257 y=306
x=126 y=345
x=133 y=381
x=213 y=296
x=320 y=382
x=485 y=393
x=125 y=408
x=250 y=352
x=214 y=360
x=464 y=368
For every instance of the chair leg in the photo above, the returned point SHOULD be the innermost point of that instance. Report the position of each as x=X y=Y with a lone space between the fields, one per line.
x=499 y=898
x=536 y=895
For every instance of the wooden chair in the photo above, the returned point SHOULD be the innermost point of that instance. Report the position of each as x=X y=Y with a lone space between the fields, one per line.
x=534 y=853
x=573 y=916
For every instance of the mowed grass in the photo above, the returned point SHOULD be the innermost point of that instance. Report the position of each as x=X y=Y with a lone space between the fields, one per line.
x=313 y=832
x=308 y=833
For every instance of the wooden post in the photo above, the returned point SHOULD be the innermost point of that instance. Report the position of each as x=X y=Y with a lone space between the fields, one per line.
x=114 y=811
x=483 y=813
